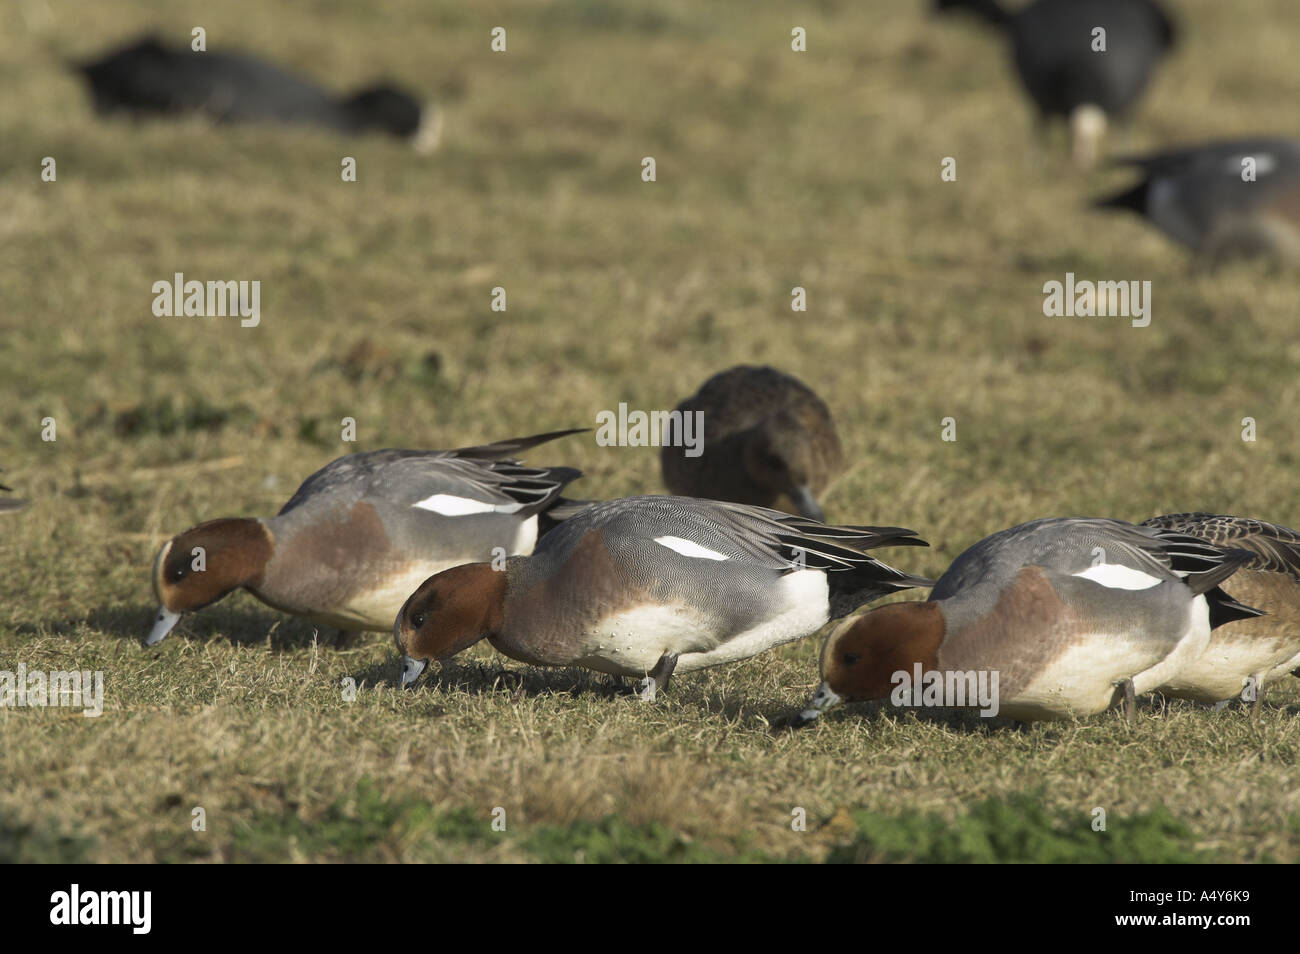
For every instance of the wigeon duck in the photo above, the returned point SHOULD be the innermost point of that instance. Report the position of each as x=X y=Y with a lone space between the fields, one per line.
x=768 y=441
x=146 y=77
x=1258 y=649
x=645 y=586
x=1071 y=614
x=1222 y=200
x=362 y=533
x=10 y=504
x=1052 y=43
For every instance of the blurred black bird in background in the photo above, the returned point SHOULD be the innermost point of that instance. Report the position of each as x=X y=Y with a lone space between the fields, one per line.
x=146 y=78
x=9 y=504
x=1224 y=200
x=1052 y=42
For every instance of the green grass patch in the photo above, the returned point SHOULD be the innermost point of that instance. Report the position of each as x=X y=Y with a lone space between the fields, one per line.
x=1018 y=829
x=612 y=840
x=44 y=842
x=365 y=827
x=368 y=826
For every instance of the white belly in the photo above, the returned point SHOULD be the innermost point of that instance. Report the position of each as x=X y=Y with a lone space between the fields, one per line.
x=1083 y=681
x=1189 y=649
x=1222 y=670
x=630 y=643
x=1286 y=668
x=377 y=609
x=1080 y=682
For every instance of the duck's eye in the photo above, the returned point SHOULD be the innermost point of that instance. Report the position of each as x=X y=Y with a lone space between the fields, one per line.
x=851 y=658
x=177 y=574
x=417 y=620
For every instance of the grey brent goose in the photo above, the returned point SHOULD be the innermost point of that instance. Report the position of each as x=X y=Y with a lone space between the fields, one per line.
x=147 y=78
x=1222 y=200
x=1052 y=44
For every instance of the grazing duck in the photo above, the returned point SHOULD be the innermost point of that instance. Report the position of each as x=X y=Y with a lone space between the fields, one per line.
x=1052 y=42
x=362 y=533
x=1222 y=200
x=768 y=441
x=646 y=586
x=1071 y=614
x=147 y=78
x=1244 y=655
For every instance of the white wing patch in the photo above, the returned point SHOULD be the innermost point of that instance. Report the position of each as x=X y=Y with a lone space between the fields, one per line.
x=1118 y=577
x=689 y=548
x=450 y=506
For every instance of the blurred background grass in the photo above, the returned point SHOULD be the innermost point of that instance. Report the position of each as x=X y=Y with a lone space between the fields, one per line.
x=775 y=169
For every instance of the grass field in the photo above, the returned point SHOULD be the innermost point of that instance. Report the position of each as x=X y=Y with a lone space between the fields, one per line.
x=775 y=169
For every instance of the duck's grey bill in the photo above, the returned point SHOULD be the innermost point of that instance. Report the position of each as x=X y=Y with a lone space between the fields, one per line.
x=162 y=625
x=825 y=698
x=411 y=669
x=806 y=504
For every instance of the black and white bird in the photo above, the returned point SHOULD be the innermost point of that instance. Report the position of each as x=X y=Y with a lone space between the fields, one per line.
x=146 y=77
x=1222 y=200
x=1087 y=61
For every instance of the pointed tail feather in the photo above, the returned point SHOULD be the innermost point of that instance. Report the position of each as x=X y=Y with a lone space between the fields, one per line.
x=866 y=582
x=1202 y=581
x=561 y=510
x=514 y=445
x=1134 y=199
x=1224 y=609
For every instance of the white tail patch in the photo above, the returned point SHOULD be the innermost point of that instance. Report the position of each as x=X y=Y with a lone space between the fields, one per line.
x=450 y=506
x=689 y=548
x=1265 y=162
x=1189 y=648
x=428 y=134
x=525 y=537
x=1119 y=577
